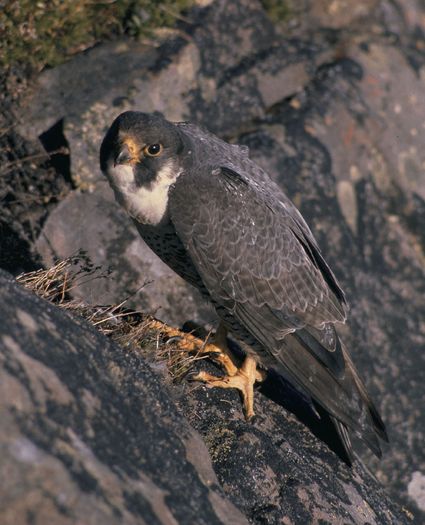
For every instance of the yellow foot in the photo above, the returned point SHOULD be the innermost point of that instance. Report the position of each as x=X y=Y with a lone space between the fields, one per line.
x=216 y=346
x=243 y=380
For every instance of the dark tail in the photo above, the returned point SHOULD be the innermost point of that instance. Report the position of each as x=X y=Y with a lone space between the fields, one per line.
x=370 y=424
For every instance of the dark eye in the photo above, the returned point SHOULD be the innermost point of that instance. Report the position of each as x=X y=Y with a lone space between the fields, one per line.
x=153 y=150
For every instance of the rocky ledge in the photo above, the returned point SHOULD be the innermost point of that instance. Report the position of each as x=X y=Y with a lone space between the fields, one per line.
x=91 y=434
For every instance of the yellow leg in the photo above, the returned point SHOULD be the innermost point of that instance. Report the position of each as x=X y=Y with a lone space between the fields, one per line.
x=216 y=346
x=242 y=378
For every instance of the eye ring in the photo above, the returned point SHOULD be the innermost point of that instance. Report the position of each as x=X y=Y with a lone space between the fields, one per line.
x=153 y=150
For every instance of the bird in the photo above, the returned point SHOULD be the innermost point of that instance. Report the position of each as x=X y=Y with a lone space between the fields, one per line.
x=217 y=219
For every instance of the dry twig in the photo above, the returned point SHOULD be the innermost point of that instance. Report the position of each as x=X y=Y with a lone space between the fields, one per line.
x=129 y=328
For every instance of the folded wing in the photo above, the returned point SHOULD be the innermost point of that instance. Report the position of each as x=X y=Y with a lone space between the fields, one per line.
x=259 y=260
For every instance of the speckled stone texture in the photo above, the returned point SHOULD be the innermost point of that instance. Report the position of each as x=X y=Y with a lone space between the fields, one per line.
x=330 y=103
x=90 y=434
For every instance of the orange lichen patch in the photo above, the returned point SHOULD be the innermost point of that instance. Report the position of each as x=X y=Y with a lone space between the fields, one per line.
x=349 y=134
x=373 y=85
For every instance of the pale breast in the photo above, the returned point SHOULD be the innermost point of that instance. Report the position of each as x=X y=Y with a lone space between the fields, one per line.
x=146 y=204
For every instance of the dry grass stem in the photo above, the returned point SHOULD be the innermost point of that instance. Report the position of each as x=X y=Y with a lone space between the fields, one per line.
x=157 y=341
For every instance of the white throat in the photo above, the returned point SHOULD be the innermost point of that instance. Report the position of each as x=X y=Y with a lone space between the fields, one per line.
x=146 y=205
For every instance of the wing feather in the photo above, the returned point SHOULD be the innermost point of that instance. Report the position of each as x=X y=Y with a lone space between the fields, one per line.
x=259 y=260
x=248 y=246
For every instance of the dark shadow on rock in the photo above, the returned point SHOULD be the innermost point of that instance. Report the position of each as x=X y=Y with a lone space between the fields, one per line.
x=56 y=145
x=317 y=420
x=15 y=251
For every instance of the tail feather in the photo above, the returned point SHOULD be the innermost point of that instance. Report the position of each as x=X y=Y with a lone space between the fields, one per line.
x=345 y=440
x=376 y=420
x=370 y=424
x=334 y=385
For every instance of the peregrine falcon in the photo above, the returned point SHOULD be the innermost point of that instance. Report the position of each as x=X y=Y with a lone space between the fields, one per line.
x=217 y=219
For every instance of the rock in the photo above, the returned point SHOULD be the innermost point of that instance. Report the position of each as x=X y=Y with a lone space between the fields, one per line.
x=276 y=471
x=15 y=250
x=416 y=489
x=334 y=115
x=338 y=14
x=89 y=433
x=29 y=190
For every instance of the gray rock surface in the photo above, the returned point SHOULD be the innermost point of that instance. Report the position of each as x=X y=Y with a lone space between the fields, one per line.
x=331 y=104
x=90 y=434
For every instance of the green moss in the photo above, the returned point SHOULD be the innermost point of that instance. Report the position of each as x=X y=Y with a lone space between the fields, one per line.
x=278 y=10
x=40 y=34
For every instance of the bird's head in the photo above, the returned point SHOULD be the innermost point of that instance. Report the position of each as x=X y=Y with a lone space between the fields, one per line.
x=140 y=143
x=140 y=156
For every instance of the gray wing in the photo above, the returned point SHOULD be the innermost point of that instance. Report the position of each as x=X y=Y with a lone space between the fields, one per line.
x=258 y=259
x=252 y=247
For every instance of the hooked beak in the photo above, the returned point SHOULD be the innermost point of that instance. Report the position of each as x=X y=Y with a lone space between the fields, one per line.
x=124 y=156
